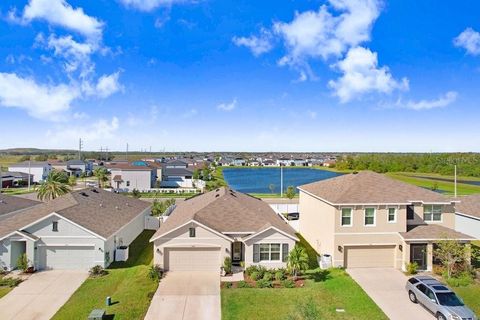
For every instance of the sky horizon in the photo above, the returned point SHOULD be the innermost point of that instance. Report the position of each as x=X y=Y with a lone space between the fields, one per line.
x=200 y=75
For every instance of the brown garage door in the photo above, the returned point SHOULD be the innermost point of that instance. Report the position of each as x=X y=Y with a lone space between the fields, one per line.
x=193 y=259
x=370 y=257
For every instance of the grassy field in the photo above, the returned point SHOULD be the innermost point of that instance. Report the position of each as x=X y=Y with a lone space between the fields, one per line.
x=471 y=296
x=336 y=291
x=4 y=291
x=127 y=283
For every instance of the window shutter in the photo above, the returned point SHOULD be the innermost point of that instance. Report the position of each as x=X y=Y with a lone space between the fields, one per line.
x=256 y=253
x=285 y=252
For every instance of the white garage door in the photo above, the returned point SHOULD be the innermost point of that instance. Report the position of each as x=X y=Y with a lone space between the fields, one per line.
x=62 y=257
x=193 y=259
x=370 y=257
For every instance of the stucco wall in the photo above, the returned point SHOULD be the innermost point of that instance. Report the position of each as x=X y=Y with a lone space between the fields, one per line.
x=467 y=225
x=269 y=236
x=39 y=173
x=381 y=220
x=317 y=223
x=140 y=180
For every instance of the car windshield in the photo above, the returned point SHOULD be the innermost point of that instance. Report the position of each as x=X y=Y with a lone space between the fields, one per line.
x=449 y=299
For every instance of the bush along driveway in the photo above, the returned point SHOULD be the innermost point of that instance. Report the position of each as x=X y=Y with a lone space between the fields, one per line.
x=326 y=294
x=127 y=283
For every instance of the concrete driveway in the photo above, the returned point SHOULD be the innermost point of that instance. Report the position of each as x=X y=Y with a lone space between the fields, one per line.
x=41 y=295
x=386 y=287
x=187 y=296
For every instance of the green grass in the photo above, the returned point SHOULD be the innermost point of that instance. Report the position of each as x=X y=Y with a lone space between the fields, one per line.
x=17 y=191
x=338 y=290
x=4 y=291
x=444 y=186
x=470 y=295
x=127 y=284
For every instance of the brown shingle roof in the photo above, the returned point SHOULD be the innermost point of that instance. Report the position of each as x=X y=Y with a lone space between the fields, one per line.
x=225 y=210
x=432 y=232
x=9 y=204
x=99 y=211
x=469 y=205
x=370 y=187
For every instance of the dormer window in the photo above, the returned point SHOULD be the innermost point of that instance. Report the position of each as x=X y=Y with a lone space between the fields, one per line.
x=55 y=226
x=191 y=232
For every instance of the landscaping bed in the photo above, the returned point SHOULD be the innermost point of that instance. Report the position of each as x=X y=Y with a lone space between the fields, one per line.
x=127 y=283
x=7 y=284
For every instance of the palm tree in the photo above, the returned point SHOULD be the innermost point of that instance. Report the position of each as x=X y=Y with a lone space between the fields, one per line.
x=54 y=186
x=297 y=260
x=102 y=176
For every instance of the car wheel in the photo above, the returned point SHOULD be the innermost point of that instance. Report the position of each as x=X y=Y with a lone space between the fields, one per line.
x=441 y=317
x=412 y=296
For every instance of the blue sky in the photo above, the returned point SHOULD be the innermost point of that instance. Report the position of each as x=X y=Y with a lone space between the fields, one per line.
x=338 y=75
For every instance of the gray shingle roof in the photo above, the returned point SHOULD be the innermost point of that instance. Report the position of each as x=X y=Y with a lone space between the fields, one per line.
x=9 y=204
x=469 y=205
x=370 y=187
x=99 y=211
x=31 y=164
x=225 y=210
x=432 y=232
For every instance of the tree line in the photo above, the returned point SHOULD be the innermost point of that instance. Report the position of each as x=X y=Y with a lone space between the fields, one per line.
x=468 y=164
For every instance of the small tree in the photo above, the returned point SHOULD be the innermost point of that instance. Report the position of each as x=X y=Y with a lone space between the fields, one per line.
x=72 y=180
x=22 y=262
x=102 y=176
x=271 y=186
x=136 y=193
x=450 y=252
x=227 y=265
x=290 y=193
x=297 y=260
x=196 y=174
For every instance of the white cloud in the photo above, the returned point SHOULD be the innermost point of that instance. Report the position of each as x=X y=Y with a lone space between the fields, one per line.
x=228 y=106
x=441 y=102
x=469 y=39
x=361 y=74
x=108 y=85
x=258 y=45
x=60 y=13
x=149 y=5
x=96 y=131
x=48 y=102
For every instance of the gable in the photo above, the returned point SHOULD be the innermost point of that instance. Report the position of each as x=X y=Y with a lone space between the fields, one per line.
x=43 y=228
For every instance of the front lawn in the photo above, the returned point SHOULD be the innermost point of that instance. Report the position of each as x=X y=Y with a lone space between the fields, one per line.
x=4 y=291
x=337 y=291
x=127 y=284
x=471 y=296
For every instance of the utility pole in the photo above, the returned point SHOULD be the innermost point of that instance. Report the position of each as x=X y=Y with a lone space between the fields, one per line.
x=80 y=145
x=455 y=181
x=1 y=179
x=29 y=174
x=281 y=180
x=126 y=153
x=101 y=153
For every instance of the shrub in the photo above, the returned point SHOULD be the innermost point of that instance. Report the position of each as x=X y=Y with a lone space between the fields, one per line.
x=261 y=271
x=267 y=276
x=155 y=272
x=460 y=280
x=412 y=268
x=227 y=265
x=255 y=275
x=262 y=283
x=228 y=285
x=289 y=283
x=243 y=284
x=438 y=270
x=10 y=282
x=280 y=275
x=250 y=270
x=22 y=262
x=97 y=271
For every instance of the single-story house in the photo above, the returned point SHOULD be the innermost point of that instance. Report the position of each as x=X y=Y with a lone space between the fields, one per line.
x=205 y=229
x=467 y=215
x=75 y=231
x=14 y=179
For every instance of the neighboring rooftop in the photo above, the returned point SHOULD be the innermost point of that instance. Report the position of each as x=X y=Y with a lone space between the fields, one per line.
x=100 y=211
x=469 y=205
x=370 y=187
x=432 y=232
x=226 y=211
x=177 y=172
x=9 y=204
x=127 y=166
x=26 y=164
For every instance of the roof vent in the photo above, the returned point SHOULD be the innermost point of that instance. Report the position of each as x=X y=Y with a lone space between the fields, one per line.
x=217 y=195
x=95 y=190
x=84 y=194
x=101 y=205
x=127 y=204
x=217 y=190
x=117 y=207
x=2 y=201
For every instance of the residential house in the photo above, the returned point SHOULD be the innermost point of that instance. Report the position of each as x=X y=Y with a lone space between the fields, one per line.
x=370 y=220
x=467 y=215
x=9 y=204
x=238 y=162
x=14 y=179
x=284 y=162
x=298 y=162
x=72 y=167
x=75 y=231
x=205 y=229
x=137 y=175
x=177 y=174
x=39 y=169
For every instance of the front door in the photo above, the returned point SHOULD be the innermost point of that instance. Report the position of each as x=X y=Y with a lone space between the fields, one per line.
x=418 y=254
x=237 y=251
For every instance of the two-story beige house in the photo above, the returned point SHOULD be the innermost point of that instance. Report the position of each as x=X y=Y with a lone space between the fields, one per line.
x=369 y=220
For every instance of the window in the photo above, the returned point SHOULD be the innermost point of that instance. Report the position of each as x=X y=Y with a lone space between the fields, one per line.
x=422 y=288
x=410 y=213
x=346 y=216
x=369 y=216
x=55 y=226
x=432 y=213
x=269 y=252
x=413 y=280
x=191 y=232
x=285 y=252
x=128 y=183
x=392 y=215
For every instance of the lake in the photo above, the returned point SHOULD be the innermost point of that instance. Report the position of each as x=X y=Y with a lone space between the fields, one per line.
x=257 y=180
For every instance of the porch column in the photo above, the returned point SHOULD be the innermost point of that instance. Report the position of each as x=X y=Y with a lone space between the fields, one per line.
x=405 y=256
x=429 y=256
x=30 y=252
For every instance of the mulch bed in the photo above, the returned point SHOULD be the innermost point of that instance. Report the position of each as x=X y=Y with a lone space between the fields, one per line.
x=299 y=283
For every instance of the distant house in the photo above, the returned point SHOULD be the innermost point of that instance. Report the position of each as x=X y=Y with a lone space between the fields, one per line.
x=467 y=215
x=72 y=167
x=239 y=162
x=176 y=174
x=329 y=163
x=75 y=231
x=284 y=162
x=269 y=163
x=39 y=169
x=137 y=175
x=14 y=179
x=299 y=162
